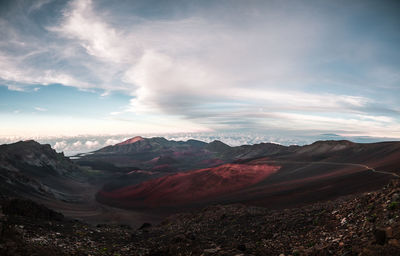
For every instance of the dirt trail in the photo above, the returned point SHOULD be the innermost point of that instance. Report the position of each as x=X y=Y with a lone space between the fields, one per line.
x=332 y=163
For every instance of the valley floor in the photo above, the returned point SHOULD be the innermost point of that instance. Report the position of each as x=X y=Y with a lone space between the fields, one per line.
x=87 y=209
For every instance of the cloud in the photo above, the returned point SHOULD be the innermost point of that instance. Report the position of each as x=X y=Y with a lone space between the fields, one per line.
x=373 y=126
x=40 y=109
x=91 y=144
x=38 y=4
x=17 y=72
x=72 y=146
x=94 y=35
x=12 y=87
x=177 y=88
x=60 y=145
x=77 y=144
x=112 y=142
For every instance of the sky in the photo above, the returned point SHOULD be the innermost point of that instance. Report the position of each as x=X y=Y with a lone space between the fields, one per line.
x=243 y=71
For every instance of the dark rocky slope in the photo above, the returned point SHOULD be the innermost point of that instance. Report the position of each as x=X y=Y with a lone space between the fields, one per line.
x=28 y=168
x=366 y=224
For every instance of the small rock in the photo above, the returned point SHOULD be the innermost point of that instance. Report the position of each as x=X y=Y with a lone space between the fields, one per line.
x=178 y=239
x=380 y=236
x=145 y=226
x=212 y=250
x=367 y=251
x=241 y=247
x=394 y=242
x=389 y=232
x=190 y=236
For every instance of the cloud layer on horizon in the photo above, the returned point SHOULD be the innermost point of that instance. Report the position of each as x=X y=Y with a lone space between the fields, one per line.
x=72 y=145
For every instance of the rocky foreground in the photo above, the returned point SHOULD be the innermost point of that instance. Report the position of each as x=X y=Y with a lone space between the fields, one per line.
x=366 y=224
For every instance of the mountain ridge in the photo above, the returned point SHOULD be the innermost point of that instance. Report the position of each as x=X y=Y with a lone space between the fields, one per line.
x=327 y=167
x=28 y=168
x=322 y=170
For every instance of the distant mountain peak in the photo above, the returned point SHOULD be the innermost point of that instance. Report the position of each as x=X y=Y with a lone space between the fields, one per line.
x=325 y=147
x=217 y=146
x=30 y=141
x=333 y=142
x=217 y=141
x=130 y=141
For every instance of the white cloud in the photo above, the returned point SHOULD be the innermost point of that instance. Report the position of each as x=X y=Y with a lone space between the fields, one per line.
x=169 y=85
x=373 y=126
x=40 y=109
x=112 y=142
x=97 y=37
x=77 y=144
x=16 y=75
x=300 y=100
x=92 y=144
x=69 y=145
x=382 y=119
x=60 y=145
x=16 y=88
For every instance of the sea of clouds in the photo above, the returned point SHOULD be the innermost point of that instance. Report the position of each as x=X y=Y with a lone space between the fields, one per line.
x=87 y=143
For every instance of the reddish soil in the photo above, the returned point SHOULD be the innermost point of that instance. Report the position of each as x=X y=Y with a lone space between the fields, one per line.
x=130 y=141
x=189 y=187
